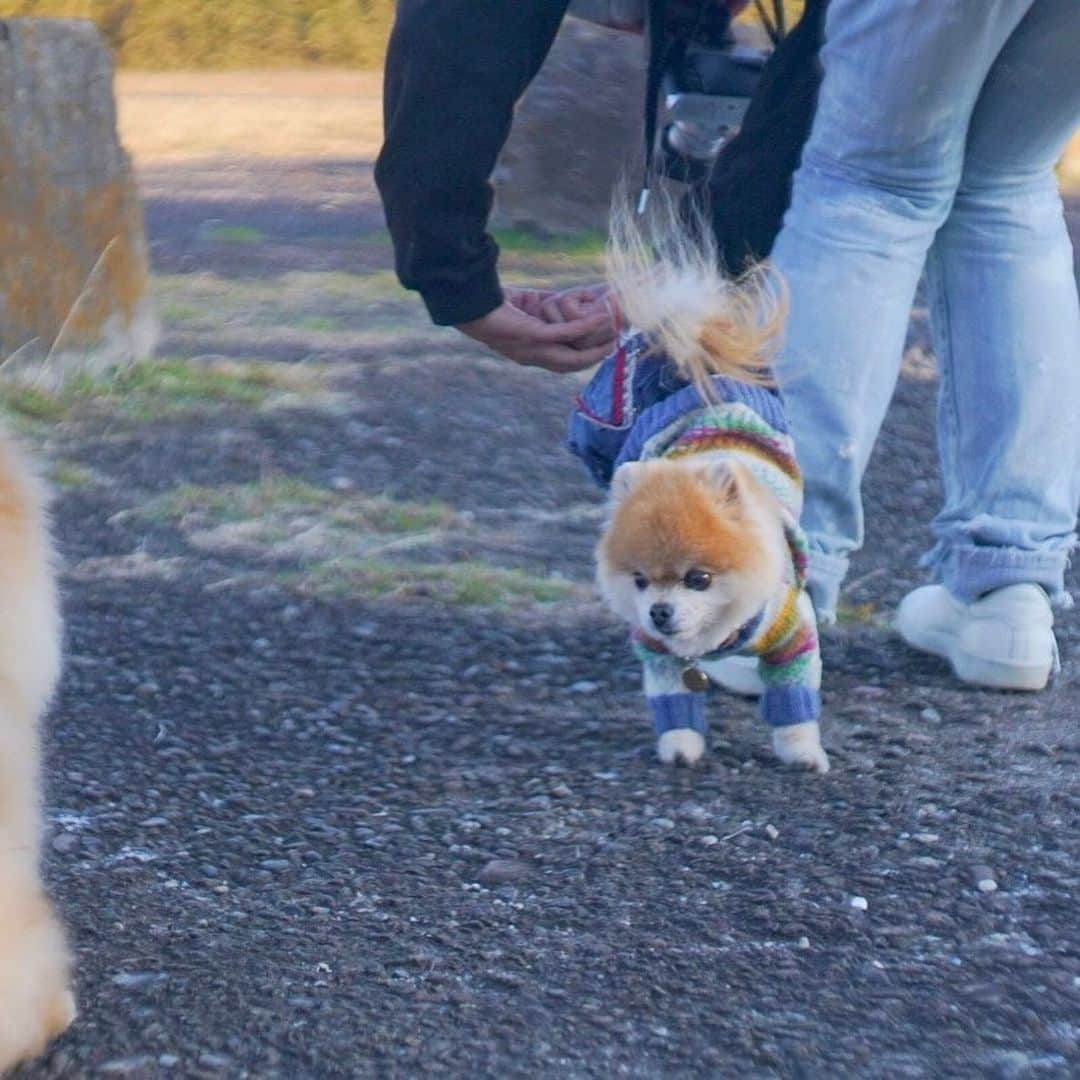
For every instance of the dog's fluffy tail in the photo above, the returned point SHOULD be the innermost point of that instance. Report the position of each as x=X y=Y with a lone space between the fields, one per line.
x=666 y=275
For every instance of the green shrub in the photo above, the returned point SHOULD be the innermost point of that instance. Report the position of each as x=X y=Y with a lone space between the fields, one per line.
x=186 y=34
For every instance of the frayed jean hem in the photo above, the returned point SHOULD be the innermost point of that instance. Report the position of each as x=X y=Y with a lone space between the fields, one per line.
x=826 y=575
x=969 y=571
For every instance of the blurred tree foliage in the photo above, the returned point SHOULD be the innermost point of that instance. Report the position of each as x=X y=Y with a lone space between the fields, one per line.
x=164 y=34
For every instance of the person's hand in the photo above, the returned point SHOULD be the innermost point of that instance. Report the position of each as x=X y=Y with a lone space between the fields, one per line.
x=581 y=302
x=517 y=330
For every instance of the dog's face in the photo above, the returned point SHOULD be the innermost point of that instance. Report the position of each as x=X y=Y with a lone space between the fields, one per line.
x=692 y=550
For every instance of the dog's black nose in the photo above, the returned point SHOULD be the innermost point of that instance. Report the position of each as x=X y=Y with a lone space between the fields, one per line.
x=662 y=616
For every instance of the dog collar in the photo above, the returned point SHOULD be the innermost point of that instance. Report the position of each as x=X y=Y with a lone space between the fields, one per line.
x=694 y=679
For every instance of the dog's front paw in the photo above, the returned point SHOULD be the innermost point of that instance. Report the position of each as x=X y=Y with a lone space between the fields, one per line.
x=800 y=744
x=680 y=746
x=36 y=1003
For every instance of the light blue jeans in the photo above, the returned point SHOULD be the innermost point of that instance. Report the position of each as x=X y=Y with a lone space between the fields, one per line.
x=934 y=145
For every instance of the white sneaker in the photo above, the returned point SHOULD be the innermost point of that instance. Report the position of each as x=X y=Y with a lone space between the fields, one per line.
x=1004 y=639
x=737 y=674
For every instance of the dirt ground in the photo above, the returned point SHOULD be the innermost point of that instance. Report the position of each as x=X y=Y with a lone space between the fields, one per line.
x=349 y=774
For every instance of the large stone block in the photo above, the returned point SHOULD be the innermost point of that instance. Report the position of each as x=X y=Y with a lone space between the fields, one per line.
x=73 y=260
x=577 y=132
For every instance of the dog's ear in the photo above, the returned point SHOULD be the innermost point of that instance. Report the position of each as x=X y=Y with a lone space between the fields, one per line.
x=625 y=480
x=726 y=480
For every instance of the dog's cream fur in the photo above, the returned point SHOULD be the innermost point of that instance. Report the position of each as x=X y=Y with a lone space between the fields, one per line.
x=35 y=1000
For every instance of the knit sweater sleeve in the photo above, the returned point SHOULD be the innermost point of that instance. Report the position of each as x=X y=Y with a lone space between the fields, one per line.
x=454 y=70
x=790 y=666
x=671 y=705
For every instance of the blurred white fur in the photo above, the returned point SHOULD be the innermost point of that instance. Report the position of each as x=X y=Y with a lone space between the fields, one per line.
x=665 y=273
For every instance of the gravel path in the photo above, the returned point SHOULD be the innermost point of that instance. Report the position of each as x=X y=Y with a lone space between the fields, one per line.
x=303 y=833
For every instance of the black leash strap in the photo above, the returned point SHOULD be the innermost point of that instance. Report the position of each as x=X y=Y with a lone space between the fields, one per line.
x=658 y=50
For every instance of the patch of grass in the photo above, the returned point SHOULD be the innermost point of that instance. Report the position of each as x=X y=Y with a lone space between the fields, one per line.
x=31 y=403
x=385 y=515
x=156 y=389
x=184 y=382
x=320 y=324
x=235 y=234
x=276 y=493
x=379 y=285
x=862 y=614
x=178 y=313
x=343 y=542
x=527 y=241
x=71 y=476
x=288 y=308
x=466 y=584
x=281 y=496
x=551 y=262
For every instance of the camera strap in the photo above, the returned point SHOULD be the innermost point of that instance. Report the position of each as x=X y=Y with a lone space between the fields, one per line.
x=667 y=40
x=659 y=48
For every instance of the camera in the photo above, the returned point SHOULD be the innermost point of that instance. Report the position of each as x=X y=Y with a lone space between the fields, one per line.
x=707 y=91
x=708 y=80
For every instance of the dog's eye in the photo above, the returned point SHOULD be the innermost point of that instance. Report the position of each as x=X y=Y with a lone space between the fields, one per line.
x=699 y=580
x=640 y=580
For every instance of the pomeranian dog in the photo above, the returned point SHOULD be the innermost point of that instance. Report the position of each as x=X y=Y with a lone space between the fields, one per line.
x=35 y=1000
x=702 y=554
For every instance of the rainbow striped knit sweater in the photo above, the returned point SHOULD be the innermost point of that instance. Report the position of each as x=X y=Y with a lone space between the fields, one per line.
x=746 y=423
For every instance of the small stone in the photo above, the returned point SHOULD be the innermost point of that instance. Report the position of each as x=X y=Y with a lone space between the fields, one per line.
x=214 y=1061
x=137 y=980
x=1017 y=1064
x=584 y=686
x=926 y=837
x=708 y=840
x=275 y=864
x=153 y=823
x=772 y=832
x=987 y=885
x=859 y=903
x=167 y=1061
x=127 y=1066
x=664 y=823
x=927 y=862
x=804 y=943
x=939 y=920
x=984 y=879
x=868 y=690
x=561 y=791
x=503 y=872
x=931 y=715
x=65 y=843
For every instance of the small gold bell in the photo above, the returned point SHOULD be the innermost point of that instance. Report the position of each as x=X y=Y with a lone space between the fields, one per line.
x=695 y=680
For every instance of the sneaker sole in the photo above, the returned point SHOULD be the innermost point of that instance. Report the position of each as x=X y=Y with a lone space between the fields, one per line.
x=977 y=670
